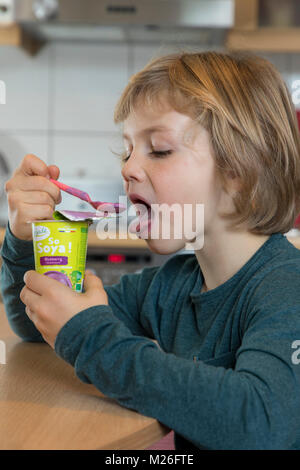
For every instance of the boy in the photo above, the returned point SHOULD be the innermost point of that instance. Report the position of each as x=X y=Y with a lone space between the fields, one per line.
x=209 y=128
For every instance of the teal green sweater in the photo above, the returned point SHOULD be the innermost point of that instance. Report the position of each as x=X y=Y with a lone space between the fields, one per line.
x=224 y=373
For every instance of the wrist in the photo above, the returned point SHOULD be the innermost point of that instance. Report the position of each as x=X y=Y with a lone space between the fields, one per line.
x=17 y=250
x=22 y=235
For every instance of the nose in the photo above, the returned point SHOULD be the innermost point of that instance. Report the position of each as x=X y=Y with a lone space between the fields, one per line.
x=133 y=169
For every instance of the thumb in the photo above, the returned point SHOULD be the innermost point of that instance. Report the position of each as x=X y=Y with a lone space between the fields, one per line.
x=92 y=282
x=53 y=171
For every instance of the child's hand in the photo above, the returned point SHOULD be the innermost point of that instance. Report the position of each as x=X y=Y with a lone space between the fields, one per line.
x=50 y=304
x=31 y=196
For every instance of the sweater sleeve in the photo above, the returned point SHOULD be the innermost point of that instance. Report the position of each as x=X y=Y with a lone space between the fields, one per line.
x=17 y=258
x=253 y=406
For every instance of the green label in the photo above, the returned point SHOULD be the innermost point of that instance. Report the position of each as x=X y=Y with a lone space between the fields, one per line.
x=60 y=250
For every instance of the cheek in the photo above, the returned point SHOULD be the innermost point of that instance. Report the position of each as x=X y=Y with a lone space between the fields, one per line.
x=164 y=179
x=125 y=184
x=185 y=181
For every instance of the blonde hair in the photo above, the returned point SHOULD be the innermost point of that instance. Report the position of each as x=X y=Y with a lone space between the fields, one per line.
x=243 y=103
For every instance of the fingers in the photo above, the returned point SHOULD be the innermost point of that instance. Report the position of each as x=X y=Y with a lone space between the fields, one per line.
x=35 y=171
x=92 y=281
x=31 y=195
x=36 y=185
x=32 y=165
x=29 y=210
x=43 y=285
x=94 y=290
x=29 y=298
x=31 y=315
x=53 y=172
x=36 y=283
x=37 y=286
x=90 y=271
x=37 y=212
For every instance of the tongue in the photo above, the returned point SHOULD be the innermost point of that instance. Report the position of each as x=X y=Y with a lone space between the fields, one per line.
x=144 y=217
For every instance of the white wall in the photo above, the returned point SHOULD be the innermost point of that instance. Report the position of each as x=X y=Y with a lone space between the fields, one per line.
x=60 y=103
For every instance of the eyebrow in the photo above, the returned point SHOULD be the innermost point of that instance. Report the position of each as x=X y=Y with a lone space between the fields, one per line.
x=149 y=130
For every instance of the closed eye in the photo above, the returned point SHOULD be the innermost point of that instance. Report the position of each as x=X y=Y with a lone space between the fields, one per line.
x=124 y=159
x=157 y=153
x=161 y=153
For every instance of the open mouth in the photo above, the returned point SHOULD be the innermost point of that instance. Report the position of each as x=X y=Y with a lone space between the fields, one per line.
x=143 y=207
x=143 y=212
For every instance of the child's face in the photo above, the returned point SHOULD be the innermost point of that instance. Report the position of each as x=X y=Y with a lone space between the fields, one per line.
x=183 y=173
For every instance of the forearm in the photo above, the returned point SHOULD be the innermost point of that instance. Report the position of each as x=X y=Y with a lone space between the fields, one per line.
x=17 y=258
x=210 y=406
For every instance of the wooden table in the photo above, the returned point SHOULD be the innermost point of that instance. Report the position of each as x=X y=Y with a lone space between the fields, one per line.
x=43 y=405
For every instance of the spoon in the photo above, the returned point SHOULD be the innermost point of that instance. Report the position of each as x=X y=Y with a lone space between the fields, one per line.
x=109 y=206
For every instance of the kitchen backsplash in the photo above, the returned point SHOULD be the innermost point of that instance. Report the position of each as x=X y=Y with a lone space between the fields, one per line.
x=59 y=104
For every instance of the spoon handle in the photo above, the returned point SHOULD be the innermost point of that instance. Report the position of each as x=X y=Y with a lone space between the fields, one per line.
x=109 y=206
x=74 y=191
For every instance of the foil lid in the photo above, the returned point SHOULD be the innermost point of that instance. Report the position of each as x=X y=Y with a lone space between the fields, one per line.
x=77 y=216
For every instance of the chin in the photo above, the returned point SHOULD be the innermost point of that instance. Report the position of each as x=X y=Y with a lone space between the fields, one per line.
x=165 y=247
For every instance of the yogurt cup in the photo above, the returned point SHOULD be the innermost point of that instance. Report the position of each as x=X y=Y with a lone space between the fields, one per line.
x=60 y=248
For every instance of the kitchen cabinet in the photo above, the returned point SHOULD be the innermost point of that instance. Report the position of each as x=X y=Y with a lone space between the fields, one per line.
x=15 y=35
x=265 y=25
x=259 y=25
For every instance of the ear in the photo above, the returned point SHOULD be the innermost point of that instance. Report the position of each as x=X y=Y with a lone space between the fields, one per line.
x=233 y=183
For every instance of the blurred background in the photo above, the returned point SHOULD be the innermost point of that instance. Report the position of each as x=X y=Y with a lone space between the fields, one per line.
x=64 y=64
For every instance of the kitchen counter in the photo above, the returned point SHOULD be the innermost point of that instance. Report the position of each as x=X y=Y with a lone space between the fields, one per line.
x=133 y=242
x=126 y=242
x=94 y=241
